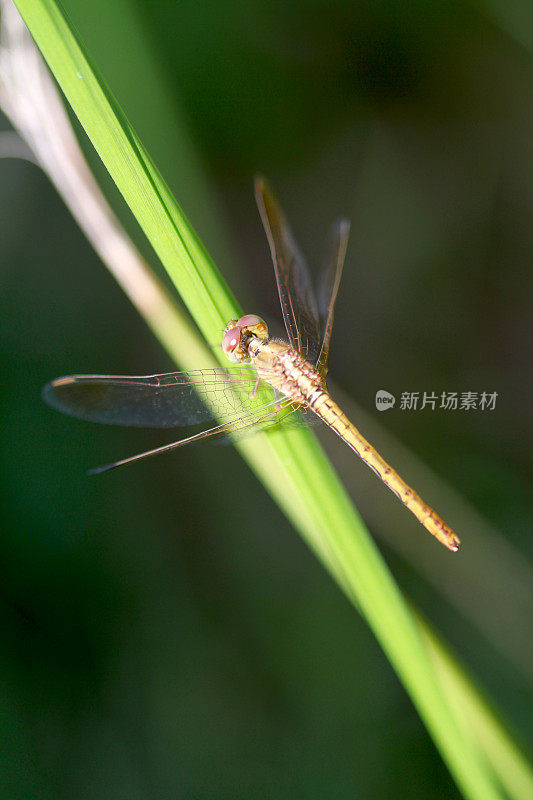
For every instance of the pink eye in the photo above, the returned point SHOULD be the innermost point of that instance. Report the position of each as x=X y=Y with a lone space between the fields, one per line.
x=249 y=320
x=231 y=340
x=253 y=324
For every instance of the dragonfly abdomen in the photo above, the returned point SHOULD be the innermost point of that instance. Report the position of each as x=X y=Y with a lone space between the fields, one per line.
x=326 y=408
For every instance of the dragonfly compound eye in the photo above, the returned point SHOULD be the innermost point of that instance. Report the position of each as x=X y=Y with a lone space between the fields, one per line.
x=231 y=343
x=253 y=324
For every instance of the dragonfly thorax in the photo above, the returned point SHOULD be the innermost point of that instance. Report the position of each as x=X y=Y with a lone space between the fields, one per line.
x=286 y=370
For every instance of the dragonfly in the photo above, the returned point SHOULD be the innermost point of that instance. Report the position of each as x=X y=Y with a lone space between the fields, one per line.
x=286 y=376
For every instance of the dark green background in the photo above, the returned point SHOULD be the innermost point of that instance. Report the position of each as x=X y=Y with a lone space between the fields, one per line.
x=165 y=633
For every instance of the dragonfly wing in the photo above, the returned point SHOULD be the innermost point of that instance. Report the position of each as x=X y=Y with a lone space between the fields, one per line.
x=159 y=401
x=298 y=302
x=329 y=287
x=271 y=415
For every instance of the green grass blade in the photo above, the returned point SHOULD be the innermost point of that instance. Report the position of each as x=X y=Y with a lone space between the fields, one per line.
x=508 y=762
x=292 y=466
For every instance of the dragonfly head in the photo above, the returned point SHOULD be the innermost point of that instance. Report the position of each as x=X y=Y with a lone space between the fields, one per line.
x=238 y=334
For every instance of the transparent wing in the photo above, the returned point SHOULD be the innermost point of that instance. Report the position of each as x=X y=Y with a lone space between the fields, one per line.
x=329 y=286
x=160 y=401
x=269 y=416
x=298 y=303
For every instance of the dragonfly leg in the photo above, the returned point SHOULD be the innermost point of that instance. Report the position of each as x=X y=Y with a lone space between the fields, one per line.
x=281 y=403
x=253 y=393
x=279 y=397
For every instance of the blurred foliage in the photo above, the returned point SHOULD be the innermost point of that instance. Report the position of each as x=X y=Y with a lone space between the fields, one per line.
x=156 y=631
